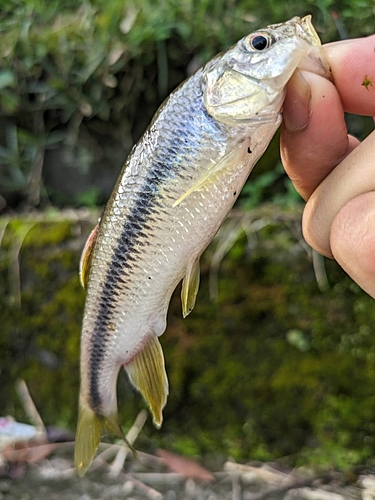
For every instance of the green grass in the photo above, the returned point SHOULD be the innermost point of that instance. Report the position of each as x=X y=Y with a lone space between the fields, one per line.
x=70 y=76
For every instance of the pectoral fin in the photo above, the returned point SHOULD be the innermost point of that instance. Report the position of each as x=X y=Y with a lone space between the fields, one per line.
x=86 y=257
x=228 y=162
x=190 y=286
x=147 y=373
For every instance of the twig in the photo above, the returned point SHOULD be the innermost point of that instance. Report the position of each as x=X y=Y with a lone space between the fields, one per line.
x=283 y=482
x=280 y=491
x=115 y=470
x=295 y=228
x=151 y=460
x=341 y=29
x=35 y=178
x=263 y=474
x=54 y=215
x=151 y=493
x=268 y=212
x=110 y=450
x=3 y=203
x=249 y=222
x=158 y=478
x=226 y=239
x=3 y=228
x=320 y=271
x=236 y=487
x=30 y=408
x=14 y=265
x=118 y=463
x=120 y=450
x=103 y=457
x=314 y=494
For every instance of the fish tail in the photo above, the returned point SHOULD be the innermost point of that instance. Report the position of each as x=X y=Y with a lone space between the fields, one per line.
x=91 y=427
x=147 y=373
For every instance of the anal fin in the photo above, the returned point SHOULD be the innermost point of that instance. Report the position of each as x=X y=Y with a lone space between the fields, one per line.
x=190 y=286
x=147 y=373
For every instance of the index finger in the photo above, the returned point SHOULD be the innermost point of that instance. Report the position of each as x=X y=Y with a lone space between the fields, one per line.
x=309 y=153
x=353 y=69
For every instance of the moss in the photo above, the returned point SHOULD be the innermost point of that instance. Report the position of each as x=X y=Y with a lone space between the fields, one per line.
x=281 y=366
x=43 y=330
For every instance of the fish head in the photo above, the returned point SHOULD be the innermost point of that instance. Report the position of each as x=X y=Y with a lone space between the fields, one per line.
x=247 y=82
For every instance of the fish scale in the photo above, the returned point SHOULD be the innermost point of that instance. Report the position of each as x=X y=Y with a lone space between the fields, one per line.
x=175 y=189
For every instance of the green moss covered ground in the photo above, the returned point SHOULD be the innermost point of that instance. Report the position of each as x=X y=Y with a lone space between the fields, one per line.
x=274 y=368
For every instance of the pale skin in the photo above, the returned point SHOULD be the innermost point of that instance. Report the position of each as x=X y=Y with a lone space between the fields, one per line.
x=333 y=171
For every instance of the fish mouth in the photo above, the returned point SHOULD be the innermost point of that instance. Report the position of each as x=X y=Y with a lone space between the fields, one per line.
x=312 y=53
x=314 y=61
x=310 y=31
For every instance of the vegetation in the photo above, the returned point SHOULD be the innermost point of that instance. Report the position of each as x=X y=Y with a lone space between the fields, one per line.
x=78 y=85
x=284 y=368
x=286 y=363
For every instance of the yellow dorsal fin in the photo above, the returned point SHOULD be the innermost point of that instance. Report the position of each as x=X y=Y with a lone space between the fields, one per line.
x=147 y=373
x=190 y=286
x=86 y=257
x=229 y=161
x=91 y=427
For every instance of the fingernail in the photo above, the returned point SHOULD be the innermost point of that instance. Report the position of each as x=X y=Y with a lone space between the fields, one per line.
x=296 y=110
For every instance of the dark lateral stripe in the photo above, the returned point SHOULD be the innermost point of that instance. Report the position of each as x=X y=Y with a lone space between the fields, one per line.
x=133 y=233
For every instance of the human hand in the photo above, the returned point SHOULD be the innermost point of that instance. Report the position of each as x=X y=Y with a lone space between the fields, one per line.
x=332 y=170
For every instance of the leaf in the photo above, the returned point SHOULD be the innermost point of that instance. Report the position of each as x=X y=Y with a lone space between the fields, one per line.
x=185 y=466
x=29 y=451
x=9 y=101
x=114 y=55
x=129 y=19
x=7 y=79
x=54 y=138
x=93 y=62
x=110 y=81
x=298 y=339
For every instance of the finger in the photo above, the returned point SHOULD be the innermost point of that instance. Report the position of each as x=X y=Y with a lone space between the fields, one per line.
x=352 y=177
x=353 y=63
x=310 y=152
x=352 y=240
x=312 y=123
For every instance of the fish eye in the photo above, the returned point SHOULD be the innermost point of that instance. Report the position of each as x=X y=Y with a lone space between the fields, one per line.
x=260 y=42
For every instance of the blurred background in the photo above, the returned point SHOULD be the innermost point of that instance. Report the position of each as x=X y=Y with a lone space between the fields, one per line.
x=280 y=346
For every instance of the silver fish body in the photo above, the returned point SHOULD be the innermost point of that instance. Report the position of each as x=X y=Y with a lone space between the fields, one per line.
x=175 y=189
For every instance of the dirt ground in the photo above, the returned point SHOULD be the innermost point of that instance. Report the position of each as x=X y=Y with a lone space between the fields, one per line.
x=153 y=478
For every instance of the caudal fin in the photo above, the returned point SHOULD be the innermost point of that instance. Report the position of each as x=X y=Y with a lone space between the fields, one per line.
x=147 y=373
x=91 y=427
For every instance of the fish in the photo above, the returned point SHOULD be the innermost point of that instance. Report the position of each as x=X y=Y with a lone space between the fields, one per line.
x=176 y=187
